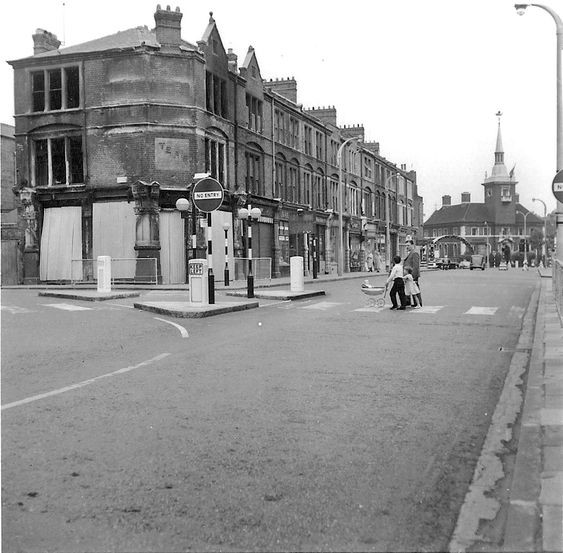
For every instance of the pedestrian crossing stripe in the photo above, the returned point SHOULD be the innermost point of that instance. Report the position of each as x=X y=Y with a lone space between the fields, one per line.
x=481 y=310
x=322 y=305
x=68 y=306
x=427 y=309
x=14 y=309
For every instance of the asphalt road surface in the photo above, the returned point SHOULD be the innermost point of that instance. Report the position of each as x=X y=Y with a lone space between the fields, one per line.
x=317 y=425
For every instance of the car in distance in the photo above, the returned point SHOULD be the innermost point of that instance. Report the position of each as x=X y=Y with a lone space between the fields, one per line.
x=445 y=263
x=465 y=264
x=477 y=262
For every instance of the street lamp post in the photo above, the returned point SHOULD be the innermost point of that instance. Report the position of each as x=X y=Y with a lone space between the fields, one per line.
x=226 y=227
x=525 y=215
x=387 y=224
x=520 y=9
x=249 y=214
x=544 y=244
x=183 y=206
x=488 y=245
x=340 y=205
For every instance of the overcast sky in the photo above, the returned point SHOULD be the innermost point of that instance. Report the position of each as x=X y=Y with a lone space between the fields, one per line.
x=424 y=77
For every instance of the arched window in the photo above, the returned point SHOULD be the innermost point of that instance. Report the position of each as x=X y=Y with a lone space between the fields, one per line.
x=216 y=155
x=368 y=202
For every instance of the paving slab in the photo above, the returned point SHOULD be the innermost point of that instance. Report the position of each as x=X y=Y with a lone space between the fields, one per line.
x=279 y=294
x=89 y=295
x=187 y=310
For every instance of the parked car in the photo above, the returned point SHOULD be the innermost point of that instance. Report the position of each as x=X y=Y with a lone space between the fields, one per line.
x=477 y=262
x=465 y=264
x=445 y=263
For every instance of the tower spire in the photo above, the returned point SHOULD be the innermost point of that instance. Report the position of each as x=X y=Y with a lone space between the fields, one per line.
x=499 y=169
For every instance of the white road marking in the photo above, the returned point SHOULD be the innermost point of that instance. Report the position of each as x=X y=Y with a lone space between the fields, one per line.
x=427 y=309
x=481 y=310
x=121 y=305
x=182 y=330
x=370 y=309
x=83 y=383
x=322 y=305
x=15 y=310
x=68 y=306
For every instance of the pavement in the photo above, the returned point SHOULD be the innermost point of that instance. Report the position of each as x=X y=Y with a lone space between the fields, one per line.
x=526 y=515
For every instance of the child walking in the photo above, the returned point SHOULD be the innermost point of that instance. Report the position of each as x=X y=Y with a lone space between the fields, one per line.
x=412 y=289
x=398 y=288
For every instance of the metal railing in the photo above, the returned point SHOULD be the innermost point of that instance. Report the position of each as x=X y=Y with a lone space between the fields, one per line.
x=557 y=285
x=261 y=268
x=133 y=270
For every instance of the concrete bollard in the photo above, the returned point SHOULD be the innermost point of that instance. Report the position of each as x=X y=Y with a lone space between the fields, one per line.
x=104 y=273
x=296 y=274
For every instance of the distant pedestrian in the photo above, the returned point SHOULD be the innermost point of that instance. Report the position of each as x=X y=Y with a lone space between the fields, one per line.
x=412 y=261
x=412 y=291
x=369 y=262
x=377 y=262
x=398 y=288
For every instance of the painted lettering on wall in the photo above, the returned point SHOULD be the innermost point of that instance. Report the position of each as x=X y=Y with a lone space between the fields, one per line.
x=171 y=154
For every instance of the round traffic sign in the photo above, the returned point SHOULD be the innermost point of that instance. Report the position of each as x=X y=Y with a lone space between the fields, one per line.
x=557 y=186
x=208 y=195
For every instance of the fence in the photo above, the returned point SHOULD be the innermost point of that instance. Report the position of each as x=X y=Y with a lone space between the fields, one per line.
x=261 y=268
x=142 y=270
x=558 y=286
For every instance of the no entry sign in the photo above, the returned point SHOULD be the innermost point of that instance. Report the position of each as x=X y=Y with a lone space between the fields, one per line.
x=208 y=195
x=557 y=186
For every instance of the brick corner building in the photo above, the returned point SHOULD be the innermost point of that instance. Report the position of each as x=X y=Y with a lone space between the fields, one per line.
x=110 y=133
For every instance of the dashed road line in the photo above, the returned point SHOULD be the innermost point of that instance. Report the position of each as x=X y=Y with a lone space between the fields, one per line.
x=68 y=306
x=15 y=310
x=323 y=305
x=83 y=383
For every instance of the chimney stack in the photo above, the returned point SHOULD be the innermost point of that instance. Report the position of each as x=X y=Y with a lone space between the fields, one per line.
x=168 y=26
x=465 y=198
x=44 y=41
x=284 y=87
x=232 y=60
x=446 y=200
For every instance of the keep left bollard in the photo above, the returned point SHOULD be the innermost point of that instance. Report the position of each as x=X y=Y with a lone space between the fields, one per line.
x=104 y=273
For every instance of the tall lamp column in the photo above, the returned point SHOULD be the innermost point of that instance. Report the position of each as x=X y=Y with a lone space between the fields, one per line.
x=249 y=214
x=544 y=243
x=341 y=205
x=521 y=9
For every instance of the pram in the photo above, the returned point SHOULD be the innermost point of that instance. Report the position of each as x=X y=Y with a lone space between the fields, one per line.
x=375 y=294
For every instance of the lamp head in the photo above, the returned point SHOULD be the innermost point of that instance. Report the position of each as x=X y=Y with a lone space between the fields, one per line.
x=243 y=213
x=182 y=204
x=255 y=213
x=521 y=8
x=226 y=225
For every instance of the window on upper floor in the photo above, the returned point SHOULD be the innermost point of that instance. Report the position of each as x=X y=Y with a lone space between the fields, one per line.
x=255 y=113
x=216 y=94
x=254 y=172
x=55 y=89
x=215 y=160
x=319 y=145
x=333 y=152
x=368 y=168
x=308 y=140
x=58 y=161
x=280 y=184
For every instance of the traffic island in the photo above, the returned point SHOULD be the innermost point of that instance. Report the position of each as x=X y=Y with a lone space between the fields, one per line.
x=89 y=295
x=279 y=294
x=187 y=310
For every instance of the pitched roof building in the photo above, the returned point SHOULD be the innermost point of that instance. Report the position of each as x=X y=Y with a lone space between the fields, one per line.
x=497 y=224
